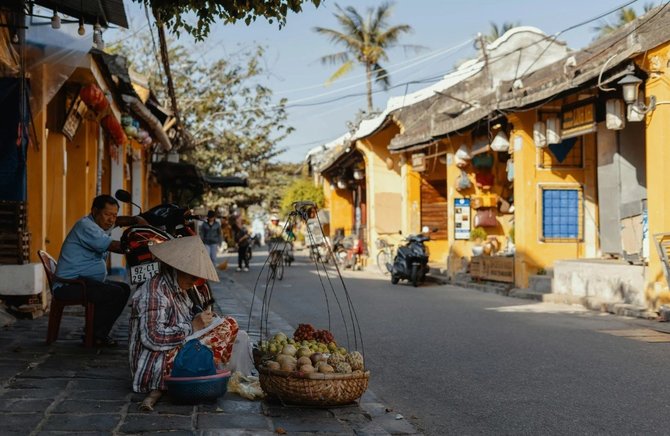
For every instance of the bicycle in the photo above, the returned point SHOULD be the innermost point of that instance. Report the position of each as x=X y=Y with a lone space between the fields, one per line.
x=384 y=255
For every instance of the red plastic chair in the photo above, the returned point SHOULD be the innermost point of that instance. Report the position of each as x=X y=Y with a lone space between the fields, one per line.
x=57 y=305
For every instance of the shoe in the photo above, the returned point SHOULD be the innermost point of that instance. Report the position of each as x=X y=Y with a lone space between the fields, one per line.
x=238 y=269
x=105 y=342
x=246 y=269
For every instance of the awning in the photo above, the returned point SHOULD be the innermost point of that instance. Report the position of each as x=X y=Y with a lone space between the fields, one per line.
x=181 y=175
x=104 y=12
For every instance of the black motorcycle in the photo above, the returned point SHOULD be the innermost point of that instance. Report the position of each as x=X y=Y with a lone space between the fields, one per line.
x=411 y=261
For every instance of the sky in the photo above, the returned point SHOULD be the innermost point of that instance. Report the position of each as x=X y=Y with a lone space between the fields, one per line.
x=445 y=28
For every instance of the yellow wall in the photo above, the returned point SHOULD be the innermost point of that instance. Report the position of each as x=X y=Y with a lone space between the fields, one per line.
x=56 y=193
x=383 y=188
x=532 y=253
x=37 y=186
x=341 y=211
x=79 y=170
x=658 y=158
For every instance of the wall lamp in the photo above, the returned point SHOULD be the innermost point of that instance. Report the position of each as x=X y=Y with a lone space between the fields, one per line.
x=630 y=87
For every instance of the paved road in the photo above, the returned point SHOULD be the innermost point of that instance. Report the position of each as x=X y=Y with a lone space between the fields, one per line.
x=458 y=361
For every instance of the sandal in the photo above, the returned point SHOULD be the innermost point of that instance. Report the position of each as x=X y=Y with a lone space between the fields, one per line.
x=105 y=342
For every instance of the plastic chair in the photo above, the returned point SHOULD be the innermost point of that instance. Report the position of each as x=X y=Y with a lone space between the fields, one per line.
x=57 y=304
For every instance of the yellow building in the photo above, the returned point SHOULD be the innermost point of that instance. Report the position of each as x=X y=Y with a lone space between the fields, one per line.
x=69 y=154
x=573 y=166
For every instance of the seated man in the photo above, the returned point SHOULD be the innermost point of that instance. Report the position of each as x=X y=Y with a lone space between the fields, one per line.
x=84 y=256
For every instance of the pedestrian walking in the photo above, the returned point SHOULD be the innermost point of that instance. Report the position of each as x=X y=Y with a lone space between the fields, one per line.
x=241 y=236
x=210 y=233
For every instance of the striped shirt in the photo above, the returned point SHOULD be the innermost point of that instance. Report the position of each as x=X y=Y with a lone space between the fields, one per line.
x=160 y=320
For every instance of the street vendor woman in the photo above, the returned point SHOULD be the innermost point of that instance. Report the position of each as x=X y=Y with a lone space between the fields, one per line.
x=163 y=315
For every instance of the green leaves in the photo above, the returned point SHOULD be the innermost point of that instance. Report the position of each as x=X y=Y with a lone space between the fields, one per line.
x=299 y=190
x=207 y=12
x=365 y=39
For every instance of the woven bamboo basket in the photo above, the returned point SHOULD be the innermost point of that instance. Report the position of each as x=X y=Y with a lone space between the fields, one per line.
x=295 y=387
x=314 y=389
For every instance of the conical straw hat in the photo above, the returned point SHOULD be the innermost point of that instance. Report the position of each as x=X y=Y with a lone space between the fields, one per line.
x=187 y=254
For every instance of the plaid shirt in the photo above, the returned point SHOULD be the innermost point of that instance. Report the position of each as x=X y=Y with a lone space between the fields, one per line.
x=160 y=320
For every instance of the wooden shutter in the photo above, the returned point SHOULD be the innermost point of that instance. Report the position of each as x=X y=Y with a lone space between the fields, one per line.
x=434 y=207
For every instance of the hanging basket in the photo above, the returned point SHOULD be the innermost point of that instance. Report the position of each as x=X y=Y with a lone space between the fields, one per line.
x=337 y=375
x=314 y=389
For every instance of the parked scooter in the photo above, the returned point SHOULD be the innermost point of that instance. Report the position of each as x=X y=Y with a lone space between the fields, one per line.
x=411 y=260
x=166 y=221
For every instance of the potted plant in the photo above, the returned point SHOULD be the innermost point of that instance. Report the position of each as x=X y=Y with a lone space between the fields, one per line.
x=478 y=235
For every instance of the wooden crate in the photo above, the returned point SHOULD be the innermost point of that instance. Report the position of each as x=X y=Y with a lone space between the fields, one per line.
x=494 y=268
x=14 y=238
x=500 y=269
x=477 y=267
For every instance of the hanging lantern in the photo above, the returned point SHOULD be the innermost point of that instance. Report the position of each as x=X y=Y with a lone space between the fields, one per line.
x=359 y=174
x=114 y=129
x=94 y=98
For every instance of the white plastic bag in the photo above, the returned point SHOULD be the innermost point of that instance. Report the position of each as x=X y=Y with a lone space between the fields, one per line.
x=241 y=359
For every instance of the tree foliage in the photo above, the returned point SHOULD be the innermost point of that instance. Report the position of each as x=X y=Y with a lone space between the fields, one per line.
x=496 y=31
x=301 y=190
x=233 y=118
x=174 y=13
x=623 y=17
x=366 y=41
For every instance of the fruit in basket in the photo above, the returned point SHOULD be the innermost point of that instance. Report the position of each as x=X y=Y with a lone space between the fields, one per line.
x=304 y=332
x=271 y=364
x=343 y=368
x=335 y=358
x=315 y=357
x=304 y=360
x=326 y=369
x=289 y=350
x=342 y=351
x=285 y=358
x=288 y=366
x=355 y=360
x=280 y=337
x=324 y=336
x=304 y=352
x=307 y=368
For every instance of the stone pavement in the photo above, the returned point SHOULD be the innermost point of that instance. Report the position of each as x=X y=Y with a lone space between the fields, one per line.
x=64 y=388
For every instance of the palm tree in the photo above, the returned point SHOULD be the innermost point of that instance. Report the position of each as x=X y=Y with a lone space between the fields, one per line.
x=365 y=41
x=623 y=17
x=496 y=32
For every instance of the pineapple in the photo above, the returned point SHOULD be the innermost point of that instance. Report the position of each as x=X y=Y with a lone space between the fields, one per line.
x=355 y=359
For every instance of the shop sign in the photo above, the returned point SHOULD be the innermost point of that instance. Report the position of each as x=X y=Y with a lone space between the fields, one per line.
x=578 y=120
x=73 y=118
x=462 y=218
x=419 y=162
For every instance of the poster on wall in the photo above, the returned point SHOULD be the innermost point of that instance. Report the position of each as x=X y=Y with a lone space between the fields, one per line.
x=462 y=218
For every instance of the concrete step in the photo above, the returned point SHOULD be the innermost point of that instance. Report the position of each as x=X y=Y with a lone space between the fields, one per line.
x=540 y=283
x=528 y=294
x=464 y=281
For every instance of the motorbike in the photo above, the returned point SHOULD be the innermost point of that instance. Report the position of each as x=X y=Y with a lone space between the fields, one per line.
x=411 y=261
x=348 y=251
x=166 y=221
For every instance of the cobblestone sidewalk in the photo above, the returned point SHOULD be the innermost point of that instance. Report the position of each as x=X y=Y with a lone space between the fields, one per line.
x=65 y=388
